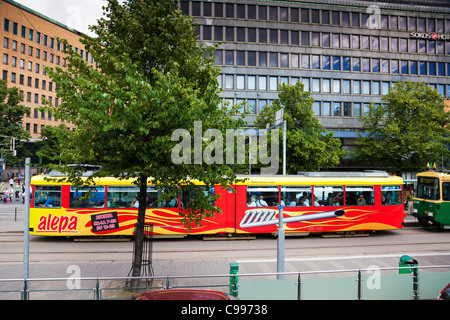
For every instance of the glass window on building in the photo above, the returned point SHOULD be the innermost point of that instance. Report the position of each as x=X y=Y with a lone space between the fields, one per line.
x=251 y=58
x=347 y=109
x=251 y=82
x=305 y=38
x=366 y=87
x=325 y=39
x=336 y=109
x=345 y=41
x=356 y=64
x=305 y=61
x=251 y=106
x=356 y=87
x=284 y=60
x=251 y=35
x=218 y=33
x=394 y=66
x=365 y=64
x=346 y=86
x=356 y=109
x=262 y=83
x=315 y=85
x=326 y=108
x=326 y=63
x=262 y=59
x=229 y=57
x=295 y=61
x=305 y=82
x=273 y=83
x=316 y=108
x=262 y=12
x=284 y=14
x=346 y=63
x=326 y=85
x=336 y=63
x=316 y=62
x=240 y=82
x=336 y=86
x=355 y=41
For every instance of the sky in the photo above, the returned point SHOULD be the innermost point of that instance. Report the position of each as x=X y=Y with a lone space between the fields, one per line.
x=77 y=14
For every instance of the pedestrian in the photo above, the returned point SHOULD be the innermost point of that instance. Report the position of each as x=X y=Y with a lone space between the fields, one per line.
x=23 y=192
x=11 y=193
x=410 y=201
x=17 y=190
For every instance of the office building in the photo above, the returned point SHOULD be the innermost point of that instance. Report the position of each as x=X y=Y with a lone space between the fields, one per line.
x=29 y=42
x=346 y=53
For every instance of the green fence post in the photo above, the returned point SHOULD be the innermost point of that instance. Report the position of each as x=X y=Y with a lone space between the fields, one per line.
x=359 y=285
x=234 y=269
x=97 y=290
x=416 y=283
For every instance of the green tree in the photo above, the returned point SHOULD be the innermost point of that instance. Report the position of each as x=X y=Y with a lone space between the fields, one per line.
x=309 y=146
x=52 y=143
x=11 y=115
x=150 y=79
x=406 y=131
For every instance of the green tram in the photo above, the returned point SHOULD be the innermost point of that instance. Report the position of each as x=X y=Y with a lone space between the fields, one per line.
x=432 y=200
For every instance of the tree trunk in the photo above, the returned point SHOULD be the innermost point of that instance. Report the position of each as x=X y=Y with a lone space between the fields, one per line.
x=139 y=236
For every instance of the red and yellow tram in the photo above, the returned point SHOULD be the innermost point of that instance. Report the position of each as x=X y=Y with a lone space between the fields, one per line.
x=312 y=202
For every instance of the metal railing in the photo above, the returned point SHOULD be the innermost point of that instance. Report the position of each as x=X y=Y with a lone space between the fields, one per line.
x=101 y=285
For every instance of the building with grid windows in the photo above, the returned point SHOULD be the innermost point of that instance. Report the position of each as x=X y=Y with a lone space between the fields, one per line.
x=29 y=42
x=346 y=53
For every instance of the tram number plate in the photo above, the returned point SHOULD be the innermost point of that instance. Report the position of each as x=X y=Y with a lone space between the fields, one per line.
x=104 y=221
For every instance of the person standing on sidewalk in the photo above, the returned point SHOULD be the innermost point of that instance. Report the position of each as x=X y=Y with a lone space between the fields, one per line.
x=409 y=200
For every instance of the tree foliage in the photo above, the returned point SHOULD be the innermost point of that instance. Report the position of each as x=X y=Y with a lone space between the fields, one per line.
x=11 y=115
x=406 y=131
x=310 y=147
x=150 y=78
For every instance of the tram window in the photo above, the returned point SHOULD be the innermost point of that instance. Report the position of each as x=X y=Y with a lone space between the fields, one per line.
x=428 y=188
x=128 y=197
x=187 y=198
x=262 y=196
x=446 y=191
x=391 y=195
x=87 y=197
x=359 y=196
x=47 y=196
x=329 y=195
x=299 y=196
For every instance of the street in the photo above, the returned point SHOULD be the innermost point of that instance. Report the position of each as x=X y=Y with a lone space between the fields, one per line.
x=192 y=258
x=309 y=253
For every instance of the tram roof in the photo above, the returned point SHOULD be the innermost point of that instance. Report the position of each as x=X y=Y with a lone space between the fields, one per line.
x=304 y=178
x=441 y=175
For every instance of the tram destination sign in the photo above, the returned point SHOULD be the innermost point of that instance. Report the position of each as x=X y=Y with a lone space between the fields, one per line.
x=104 y=221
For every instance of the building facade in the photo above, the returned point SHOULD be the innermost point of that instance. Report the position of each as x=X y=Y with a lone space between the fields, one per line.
x=346 y=53
x=29 y=42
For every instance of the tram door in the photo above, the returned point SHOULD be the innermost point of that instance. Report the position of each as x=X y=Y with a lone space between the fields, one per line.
x=227 y=202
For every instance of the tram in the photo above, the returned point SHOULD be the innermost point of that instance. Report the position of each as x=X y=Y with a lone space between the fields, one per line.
x=432 y=200
x=311 y=202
